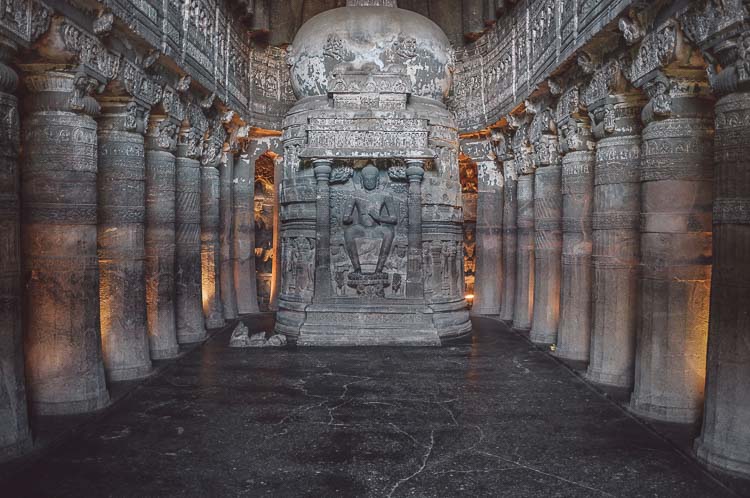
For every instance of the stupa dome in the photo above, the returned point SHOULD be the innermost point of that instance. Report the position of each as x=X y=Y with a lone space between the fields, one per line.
x=371 y=39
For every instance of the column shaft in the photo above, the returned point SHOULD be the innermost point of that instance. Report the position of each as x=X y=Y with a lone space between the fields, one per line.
x=675 y=281
x=160 y=237
x=488 y=283
x=574 y=332
x=122 y=209
x=211 y=292
x=188 y=304
x=547 y=253
x=14 y=428
x=616 y=246
x=725 y=440
x=244 y=235
x=414 y=280
x=226 y=214
x=524 y=295
x=63 y=347
x=510 y=244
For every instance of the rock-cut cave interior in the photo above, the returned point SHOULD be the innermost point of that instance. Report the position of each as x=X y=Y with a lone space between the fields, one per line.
x=388 y=248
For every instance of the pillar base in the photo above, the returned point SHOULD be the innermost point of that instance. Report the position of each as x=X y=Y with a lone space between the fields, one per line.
x=192 y=338
x=663 y=413
x=542 y=337
x=131 y=373
x=607 y=379
x=571 y=354
x=715 y=459
x=485 y=311
x=71 y=407
x=15 y=450
x=215 y=322
x=165 y=354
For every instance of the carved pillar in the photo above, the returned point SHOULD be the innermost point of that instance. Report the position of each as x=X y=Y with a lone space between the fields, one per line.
x=577 y=146
x=122 y=216
x=278 y=173
x=64 y=369
x=211 y=292
x=676 y=199
x=188 y=307
x=322 y=169
x=524 y=296
x=14 y=430
x=226 y=215
x=160 y=236
x=616 y=109
x=489 y=263
x=414 y=281
x=244 y=234
x=547 y=229
x=510 y=238
x=725 y=439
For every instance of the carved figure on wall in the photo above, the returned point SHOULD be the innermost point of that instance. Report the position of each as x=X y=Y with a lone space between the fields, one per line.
x=375 y=218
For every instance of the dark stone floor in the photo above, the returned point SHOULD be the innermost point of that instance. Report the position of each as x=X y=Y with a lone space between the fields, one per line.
x=492 y=417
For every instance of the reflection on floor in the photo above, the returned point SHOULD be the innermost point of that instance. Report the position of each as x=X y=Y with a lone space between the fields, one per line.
x=494 y=416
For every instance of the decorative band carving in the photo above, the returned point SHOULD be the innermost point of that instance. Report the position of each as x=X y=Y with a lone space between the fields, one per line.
x=615 y=221
x=548 y=225
x=577 y=225
x=63 y=214
x=732 y=211
x=122 y=214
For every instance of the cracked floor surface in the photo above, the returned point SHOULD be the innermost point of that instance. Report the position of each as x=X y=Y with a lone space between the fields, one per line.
x=492 y=417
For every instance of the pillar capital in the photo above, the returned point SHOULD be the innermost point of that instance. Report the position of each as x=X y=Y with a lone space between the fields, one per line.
x=68 y=90
x=161 y=133
x=322 y=169
x=415 y=170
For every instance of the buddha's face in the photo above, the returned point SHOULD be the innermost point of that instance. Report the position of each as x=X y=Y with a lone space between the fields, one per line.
x=370 y=178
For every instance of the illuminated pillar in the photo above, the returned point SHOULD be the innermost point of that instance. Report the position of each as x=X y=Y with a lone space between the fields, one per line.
x=122 y=287
x=160 y=236
x=616 y=215
x=211 y=292
x=577 y=145
x=188 y=306
x=547 y=229
x=64 y=369
x=675 y=277
x=725 y=440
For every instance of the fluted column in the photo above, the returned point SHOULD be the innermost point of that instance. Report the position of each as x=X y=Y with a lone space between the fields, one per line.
x=510 y=239
x=675 y=277
x=14 y=428
x=547 y=230
x=243 y=264
x=577 y=146
x=488 y=279
x=188 y=304
x=725 y=438
x=64 y=369
x=211 y=292
x=278 y=172
x=160 y=236
x=122 y=214
x=226 y=215
x=615 y=224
